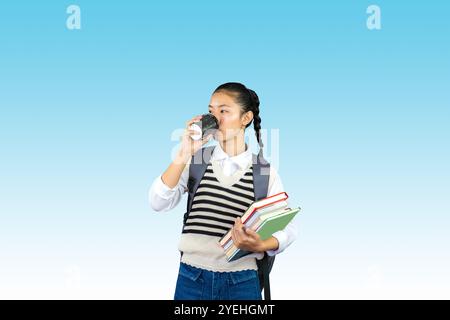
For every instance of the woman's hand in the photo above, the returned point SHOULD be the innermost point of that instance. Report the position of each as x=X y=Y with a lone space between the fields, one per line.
x=249 y=240
x=190 y=146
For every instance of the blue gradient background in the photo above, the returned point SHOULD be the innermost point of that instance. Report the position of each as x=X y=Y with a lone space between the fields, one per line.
x=86 y=118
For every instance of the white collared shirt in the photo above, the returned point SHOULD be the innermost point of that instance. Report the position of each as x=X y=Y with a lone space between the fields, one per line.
x=231 y=164
x=162 y=198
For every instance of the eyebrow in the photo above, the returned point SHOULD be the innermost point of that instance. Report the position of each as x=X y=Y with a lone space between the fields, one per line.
x=222 y=105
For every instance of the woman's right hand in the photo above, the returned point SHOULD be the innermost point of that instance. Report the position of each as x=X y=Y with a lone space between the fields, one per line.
x=190 y=146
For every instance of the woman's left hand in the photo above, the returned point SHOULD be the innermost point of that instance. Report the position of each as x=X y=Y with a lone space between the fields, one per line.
x=246 y=239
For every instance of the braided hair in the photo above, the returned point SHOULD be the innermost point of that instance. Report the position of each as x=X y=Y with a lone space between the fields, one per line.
x=249 y=101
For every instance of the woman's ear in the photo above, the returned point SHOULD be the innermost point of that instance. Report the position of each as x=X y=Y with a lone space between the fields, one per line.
x=247 y=118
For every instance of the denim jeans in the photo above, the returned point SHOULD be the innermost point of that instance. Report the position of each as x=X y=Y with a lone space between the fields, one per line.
x=200 y=284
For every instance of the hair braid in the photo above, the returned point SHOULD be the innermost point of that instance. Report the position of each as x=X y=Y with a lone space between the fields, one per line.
x=256 y=118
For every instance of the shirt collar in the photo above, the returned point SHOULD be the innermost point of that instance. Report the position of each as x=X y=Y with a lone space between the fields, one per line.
x=242 y=159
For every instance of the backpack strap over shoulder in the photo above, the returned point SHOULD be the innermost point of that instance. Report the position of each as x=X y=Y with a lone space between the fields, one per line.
x=197 y=168
x=261 y=174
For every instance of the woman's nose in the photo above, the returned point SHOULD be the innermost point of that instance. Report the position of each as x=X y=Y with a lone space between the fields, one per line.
x=219 y=120
x=217 y=116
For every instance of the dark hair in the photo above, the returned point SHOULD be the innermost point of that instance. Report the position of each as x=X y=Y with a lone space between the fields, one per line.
x=249 y=101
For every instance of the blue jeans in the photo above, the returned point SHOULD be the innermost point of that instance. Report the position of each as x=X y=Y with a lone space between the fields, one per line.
x=200 y=284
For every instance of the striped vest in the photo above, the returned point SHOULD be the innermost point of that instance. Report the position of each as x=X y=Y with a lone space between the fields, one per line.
x=215 y=208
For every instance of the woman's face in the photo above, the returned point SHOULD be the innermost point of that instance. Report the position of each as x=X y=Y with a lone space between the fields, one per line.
x=228 y=114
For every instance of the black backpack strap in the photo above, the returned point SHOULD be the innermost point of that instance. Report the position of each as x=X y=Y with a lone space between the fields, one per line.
x=197 y=168
x=261 y=174
x=265 y=276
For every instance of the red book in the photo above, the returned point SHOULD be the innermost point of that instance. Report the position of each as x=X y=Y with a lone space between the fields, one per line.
x=255 y=206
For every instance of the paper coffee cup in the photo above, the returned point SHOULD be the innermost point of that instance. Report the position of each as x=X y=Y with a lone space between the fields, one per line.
x=207 y=124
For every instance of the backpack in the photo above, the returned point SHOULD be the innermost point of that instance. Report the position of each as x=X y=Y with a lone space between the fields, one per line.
x=197 y=168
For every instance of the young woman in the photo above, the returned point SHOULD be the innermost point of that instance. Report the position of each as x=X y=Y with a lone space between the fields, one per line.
x=223 y=195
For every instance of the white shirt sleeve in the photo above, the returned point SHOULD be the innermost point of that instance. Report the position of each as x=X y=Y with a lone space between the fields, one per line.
x=286 y=236
x=163 y=198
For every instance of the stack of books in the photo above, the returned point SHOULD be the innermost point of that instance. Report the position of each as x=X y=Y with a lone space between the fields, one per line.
x=265 y=217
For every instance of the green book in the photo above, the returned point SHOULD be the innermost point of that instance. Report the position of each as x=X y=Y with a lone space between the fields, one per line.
x=269 y=225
